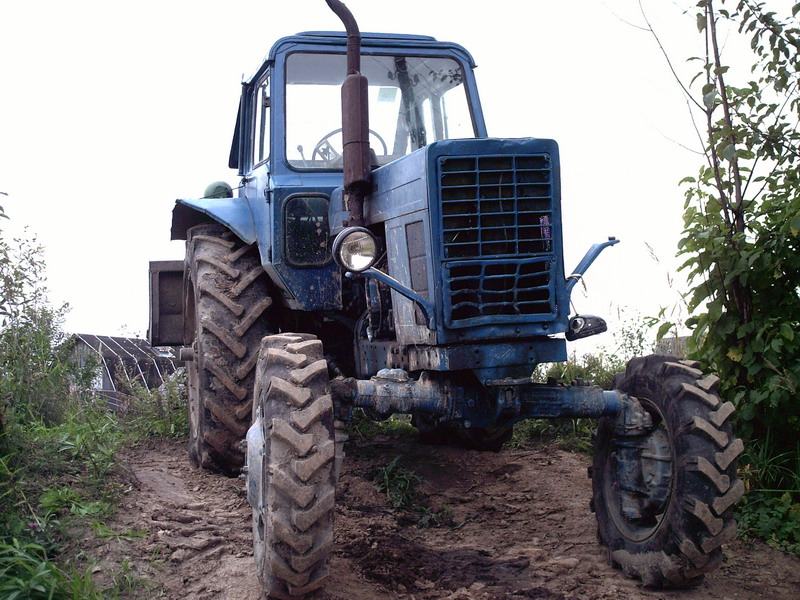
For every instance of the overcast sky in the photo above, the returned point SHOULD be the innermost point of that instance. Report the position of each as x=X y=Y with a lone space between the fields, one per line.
x=109 y=111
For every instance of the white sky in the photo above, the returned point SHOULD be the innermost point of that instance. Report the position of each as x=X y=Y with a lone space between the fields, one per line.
x=109 y=111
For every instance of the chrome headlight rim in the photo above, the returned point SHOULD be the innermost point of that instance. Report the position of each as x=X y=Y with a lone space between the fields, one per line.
x=346 y=240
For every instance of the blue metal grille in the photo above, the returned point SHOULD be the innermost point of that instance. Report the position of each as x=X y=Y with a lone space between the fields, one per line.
x=495 y=205
x=496 y=217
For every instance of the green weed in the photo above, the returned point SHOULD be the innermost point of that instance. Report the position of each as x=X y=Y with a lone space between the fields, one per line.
x=104 y=531
x=26 y=573
x=573 y=435
x=770 y=509
x=363 y=427
x=401 y=488
x=158 y=412
x=126 y=581
x=399 y=485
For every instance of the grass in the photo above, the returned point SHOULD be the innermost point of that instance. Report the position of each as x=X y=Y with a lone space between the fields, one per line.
x=363 y=427
x=770 y=510
x=573 y=435
x=27 y=573
x=58 y=483
x=401 y=487
x=158 y=413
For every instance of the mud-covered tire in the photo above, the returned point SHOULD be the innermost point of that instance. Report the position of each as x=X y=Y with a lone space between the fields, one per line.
x=227 y=301
x=293 y=524
x=684 y=514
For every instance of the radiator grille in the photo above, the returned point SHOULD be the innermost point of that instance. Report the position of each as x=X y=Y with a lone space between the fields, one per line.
x=497 y=244
x=489 y=290
x=495 y=205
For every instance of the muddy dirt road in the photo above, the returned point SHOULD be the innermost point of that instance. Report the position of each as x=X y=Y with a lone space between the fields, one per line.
x=517 y=526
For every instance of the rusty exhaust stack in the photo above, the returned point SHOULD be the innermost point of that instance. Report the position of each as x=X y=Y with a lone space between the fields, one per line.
x=355 y=121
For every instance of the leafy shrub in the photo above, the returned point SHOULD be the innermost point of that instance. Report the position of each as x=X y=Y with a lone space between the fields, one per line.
x=159 y=412
x=773 y=518
x=741 y=239
x=741 y=246
x=771 y=508
x=57 y=448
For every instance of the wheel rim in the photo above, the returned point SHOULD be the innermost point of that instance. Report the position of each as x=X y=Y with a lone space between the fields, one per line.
x=193 y=372
x=638 y=513
x=194 y=402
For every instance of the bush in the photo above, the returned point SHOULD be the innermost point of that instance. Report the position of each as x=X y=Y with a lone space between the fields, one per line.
x=160 y=412
x=771 y=507
x=57 y=447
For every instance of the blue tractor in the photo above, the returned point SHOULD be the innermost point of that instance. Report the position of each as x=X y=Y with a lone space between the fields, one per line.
x=384 y=253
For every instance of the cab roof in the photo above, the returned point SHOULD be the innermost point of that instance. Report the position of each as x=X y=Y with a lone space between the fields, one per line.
x=370 y=40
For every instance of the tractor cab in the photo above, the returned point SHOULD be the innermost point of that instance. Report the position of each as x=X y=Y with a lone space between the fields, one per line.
x=419 y=91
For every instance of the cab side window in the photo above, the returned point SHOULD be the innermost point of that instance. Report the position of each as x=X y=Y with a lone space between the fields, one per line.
x=261 y=104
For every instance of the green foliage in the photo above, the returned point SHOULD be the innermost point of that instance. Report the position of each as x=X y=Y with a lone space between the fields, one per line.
x=54 y=481
x=741 y=245
x=771 y=508
x=773 y=518
x=573 y=435
x=401 y=488
x=364 y=427
x=57 y=445
x=27 y=574
x=37 y=369
x=741 y=238
x=104 y=531
x=631 y=339
x=598 y=369
x=159 y=412
x=399 y=485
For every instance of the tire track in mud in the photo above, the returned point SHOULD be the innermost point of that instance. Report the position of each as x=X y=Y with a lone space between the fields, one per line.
x=198 y=540
x=519 y=528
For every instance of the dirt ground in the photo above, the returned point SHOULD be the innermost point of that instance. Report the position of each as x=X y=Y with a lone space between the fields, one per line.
x=518 y=527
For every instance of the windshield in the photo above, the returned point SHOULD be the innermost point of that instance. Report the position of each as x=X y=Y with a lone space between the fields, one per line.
x=413 y=101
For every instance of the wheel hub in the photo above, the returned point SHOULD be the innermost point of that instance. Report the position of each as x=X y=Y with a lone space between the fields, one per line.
x=643 y=465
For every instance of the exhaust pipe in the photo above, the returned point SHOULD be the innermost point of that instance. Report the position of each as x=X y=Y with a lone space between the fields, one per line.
x=355 y=121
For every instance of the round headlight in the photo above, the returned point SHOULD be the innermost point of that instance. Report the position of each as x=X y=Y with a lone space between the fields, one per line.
x=355 y=249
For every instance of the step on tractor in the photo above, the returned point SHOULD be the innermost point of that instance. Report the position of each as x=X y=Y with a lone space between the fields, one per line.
x=383 y=253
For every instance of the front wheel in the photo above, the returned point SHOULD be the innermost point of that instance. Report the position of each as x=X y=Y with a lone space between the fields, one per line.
x=291 y=479
x=663 y=497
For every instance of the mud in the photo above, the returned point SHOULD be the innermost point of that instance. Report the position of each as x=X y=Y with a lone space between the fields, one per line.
x=512 y=525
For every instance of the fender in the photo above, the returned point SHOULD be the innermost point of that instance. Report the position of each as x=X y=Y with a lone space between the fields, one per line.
x=234 y=213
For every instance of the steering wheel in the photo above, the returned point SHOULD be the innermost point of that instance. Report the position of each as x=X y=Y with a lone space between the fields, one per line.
x=332 y=157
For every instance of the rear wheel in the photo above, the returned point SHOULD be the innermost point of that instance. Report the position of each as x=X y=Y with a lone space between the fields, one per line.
x=225 y=318
x=663 y=498
x=293 y=481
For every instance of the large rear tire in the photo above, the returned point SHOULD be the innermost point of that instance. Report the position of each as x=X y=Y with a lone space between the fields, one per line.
x=667 y=529
x=225 y=318
x=298 y=470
